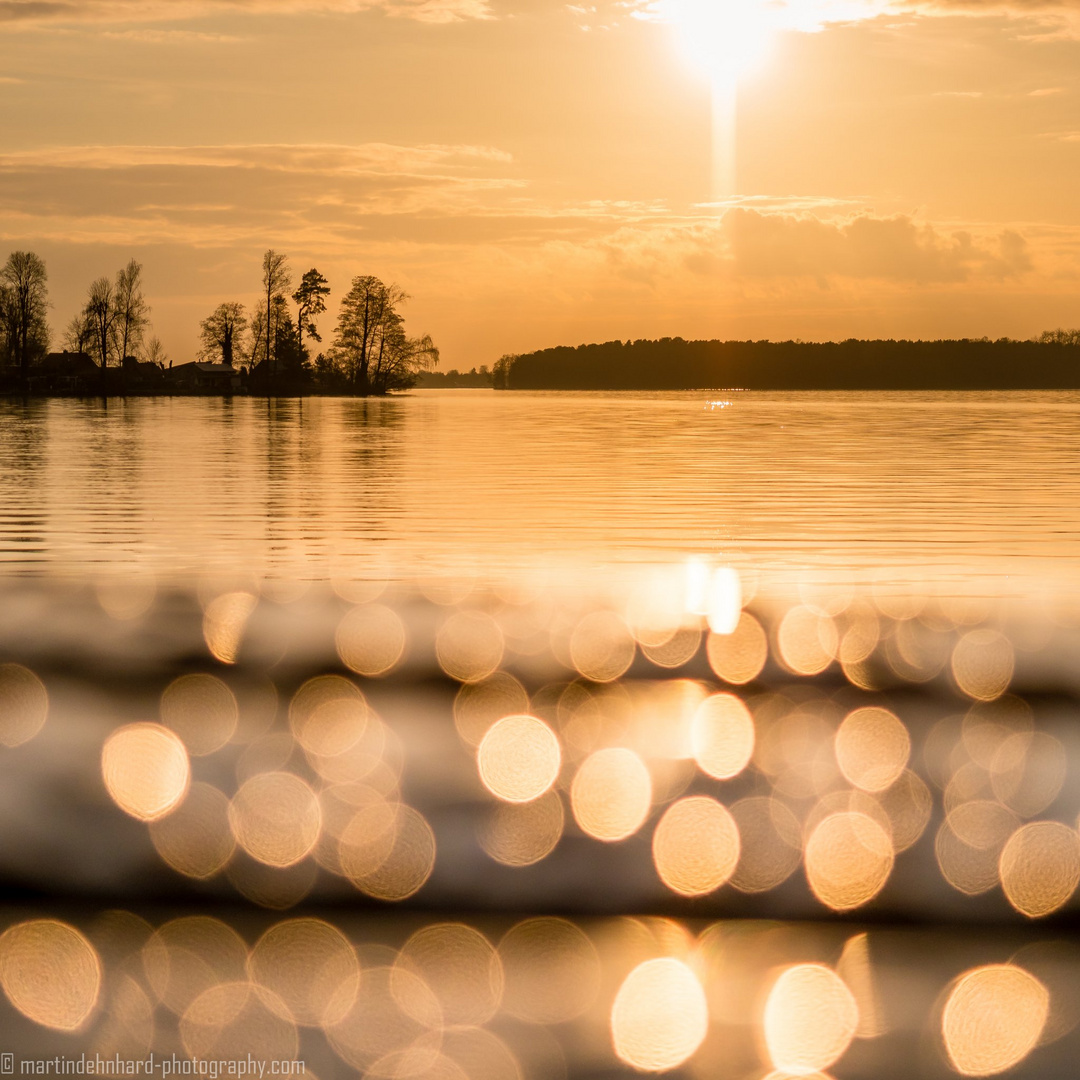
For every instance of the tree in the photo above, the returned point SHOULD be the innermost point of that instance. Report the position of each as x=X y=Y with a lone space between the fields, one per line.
x=500 y=373
x=368 y=313
x=310 y=304
x=223 y=331
x=131 y=311
x=100 y=314
x=400 y=359
x=25 y=304
x=371 y=349
x=155 y=353
x=78 y=334
x=288 y=360
x=1059 y=337
x=276 y=279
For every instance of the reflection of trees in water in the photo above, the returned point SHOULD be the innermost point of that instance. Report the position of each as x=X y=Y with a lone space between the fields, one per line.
x=333 y=482
x=23 y=461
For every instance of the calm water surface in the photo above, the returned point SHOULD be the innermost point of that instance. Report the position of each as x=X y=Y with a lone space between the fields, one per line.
x=954 y=487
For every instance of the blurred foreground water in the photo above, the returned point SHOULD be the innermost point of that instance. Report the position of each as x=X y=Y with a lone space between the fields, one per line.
x=459 y=828
x=731 y=753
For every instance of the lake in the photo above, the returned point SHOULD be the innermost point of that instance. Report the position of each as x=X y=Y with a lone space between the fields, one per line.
x=961 y=491
x=441 y=728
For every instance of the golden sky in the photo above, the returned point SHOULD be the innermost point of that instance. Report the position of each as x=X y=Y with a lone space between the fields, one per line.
x=537 y=173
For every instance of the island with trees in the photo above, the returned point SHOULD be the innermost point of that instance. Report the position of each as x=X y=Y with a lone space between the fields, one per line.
x=1048 y=362
x=108 y=348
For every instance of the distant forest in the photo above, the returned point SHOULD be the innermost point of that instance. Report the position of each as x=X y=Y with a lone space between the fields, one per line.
x=1049 y=362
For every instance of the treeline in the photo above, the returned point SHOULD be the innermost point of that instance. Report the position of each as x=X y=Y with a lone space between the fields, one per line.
x=1049 y=362
x=456 y=380
x=270 y=345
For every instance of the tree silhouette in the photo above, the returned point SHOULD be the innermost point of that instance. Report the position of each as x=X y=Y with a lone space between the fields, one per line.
x=371 y=349
x=1059 y=337
x=25 y=303
x=367 y=314
x=222 y=331
x=155 y=353
x=100 y=314
x=310 y=304
x=131 y=311
x=78 y=334
x=276 y=279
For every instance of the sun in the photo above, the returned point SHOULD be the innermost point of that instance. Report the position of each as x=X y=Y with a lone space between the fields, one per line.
x=723 y=39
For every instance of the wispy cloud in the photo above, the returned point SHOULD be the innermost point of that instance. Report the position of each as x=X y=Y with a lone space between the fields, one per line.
x=39 y=12
x=151 y=36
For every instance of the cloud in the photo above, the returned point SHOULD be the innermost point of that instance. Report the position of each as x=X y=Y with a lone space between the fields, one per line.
x=206 y=196
x=895 y=249
x=149 y=36
x=38 y=12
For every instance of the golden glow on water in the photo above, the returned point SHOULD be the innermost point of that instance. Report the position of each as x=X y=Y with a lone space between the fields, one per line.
x=695 y=846
x=552 y=971
x=394 y=1011
x=275 y=818
x=224 y=623
x=478 y=705
x=24 y=704
x=807 y=642
x=388 y=851
x=601 y=647
x=1028 y=770
x=993 y=1019
x=909 y=805
x=146 y=770
x=460 y=967
x=738 y=657
x=519 y=758
x=202 y=710
x=969 y=842
x=371 y=640
x=857 y=972
x=982 y=664
x=310 y=966
x=849 y=857
x=328 y=715
x=238 y=1020
x=660 y=1016
x=872 y=748
x=810 y=1019
x=50 y=973
x=521 y=834
x=771 y=843
x=188 y=956
x=1040 y=867
x=611 y=794
x=723 y=736
x=469 y=646
x=196 y=839
x=725 y=600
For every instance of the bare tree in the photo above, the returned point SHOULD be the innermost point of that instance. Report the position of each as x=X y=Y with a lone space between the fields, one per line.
x=222 y=331
x=310 y=300
x=1059 y=337
x=155 y=353
x=131 y=311
x=78 y=334
x=276 y=279
x=25 y=307
x=100 y=313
